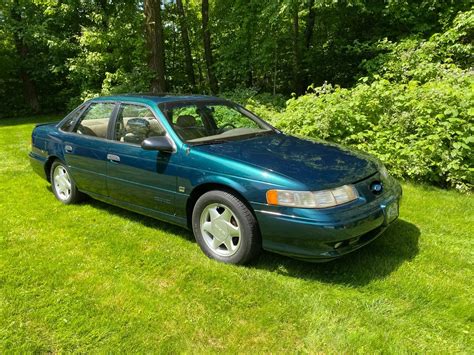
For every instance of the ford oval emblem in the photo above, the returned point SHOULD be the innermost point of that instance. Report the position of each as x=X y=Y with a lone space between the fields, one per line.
x=376 y=187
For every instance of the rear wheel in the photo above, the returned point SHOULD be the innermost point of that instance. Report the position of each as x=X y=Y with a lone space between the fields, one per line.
x=225 y=229
x=63 y=185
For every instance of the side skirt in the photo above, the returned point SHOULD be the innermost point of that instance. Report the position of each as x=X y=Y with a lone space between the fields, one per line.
x=165 y=217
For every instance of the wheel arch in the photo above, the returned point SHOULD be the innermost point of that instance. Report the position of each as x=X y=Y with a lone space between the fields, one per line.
x=48 y=164
x=200 y=190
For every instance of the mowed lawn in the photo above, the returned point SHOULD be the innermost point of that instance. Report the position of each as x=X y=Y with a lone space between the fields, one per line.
x=92 y=277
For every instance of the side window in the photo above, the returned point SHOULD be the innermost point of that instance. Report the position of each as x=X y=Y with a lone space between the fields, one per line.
x=71 y=118
x=135 y=123
x=95 y=120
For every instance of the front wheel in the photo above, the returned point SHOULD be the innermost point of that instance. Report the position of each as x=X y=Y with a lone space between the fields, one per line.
x=63 y=185
x=225 y=228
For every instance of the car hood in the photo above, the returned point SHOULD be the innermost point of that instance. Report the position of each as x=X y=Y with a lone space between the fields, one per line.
x=317 y=165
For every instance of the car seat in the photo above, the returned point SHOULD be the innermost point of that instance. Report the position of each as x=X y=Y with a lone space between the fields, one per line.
x=137 y=130
x=186 y=126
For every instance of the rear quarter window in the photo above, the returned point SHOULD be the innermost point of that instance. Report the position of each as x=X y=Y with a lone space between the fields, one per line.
x=69 y=120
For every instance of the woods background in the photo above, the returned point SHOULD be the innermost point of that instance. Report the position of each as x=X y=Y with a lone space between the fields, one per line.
x=391 y=77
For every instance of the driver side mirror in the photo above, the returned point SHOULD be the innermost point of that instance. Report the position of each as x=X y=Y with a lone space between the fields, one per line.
x=160 y=143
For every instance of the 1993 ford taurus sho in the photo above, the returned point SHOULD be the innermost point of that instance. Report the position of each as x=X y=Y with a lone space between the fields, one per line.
x=212 y=166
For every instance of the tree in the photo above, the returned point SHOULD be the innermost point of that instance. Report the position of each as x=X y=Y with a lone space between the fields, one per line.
x=29 y=87
x=207 y=47
x=308 y=37
x=156 y=44
x=297 y=81
x=55 y=54
x=186 y=44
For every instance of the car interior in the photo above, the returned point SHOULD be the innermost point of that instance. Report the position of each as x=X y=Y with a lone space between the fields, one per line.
x=187 y=127
x=133 y=125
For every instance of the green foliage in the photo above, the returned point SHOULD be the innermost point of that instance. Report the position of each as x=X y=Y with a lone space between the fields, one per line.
x=425 y=60
x=414 y=111
x=421 y=131
x=264 y=105
x=108 y=61
x=409 y=64
x=35 y=42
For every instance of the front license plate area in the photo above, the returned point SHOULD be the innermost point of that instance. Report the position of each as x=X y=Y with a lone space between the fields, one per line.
x=391 y=212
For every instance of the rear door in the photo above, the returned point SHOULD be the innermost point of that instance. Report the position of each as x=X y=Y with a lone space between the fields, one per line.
x=137 y=176
x=85 y=148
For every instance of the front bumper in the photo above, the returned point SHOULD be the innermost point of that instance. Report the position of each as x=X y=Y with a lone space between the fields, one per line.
x=323 y=235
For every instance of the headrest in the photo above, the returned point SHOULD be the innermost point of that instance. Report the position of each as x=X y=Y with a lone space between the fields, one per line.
x=138 y=125
x=186 y=121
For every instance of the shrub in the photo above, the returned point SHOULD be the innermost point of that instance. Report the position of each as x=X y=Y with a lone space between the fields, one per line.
x=414 y=109
x=420 y=131
x=265 y=105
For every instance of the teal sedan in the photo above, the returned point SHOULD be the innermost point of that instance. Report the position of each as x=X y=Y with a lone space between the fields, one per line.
x=210 y=165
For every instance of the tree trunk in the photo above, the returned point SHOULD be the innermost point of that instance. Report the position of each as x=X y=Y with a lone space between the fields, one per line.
x=207 y=47
x=308 y=36
x=249 y=57
x=188 y=59
x=156 y=44
x=29 y=87
x=298 y=84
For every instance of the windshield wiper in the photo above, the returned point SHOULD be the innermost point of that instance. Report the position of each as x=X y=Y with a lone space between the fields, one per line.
x=257 y=134
x=233 y=138
x=210 y=141
x=264 y=133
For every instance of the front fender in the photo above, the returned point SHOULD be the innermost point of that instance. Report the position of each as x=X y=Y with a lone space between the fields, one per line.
x=231 y=183
x=192 y=180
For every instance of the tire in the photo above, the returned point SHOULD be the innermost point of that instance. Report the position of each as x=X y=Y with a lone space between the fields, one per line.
x=225 y=228
x=62 y=184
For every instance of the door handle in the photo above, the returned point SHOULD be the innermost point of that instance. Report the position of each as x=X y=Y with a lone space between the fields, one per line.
x=68 y=149
x=113 y=157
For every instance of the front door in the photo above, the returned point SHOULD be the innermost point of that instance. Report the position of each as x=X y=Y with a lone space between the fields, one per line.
x=137 y=176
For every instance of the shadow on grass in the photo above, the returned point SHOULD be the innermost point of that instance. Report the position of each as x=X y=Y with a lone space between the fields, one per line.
x=398 y=244
x=137 y=217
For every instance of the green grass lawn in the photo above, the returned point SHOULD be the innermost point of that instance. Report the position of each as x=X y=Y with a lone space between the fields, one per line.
x=92 y=277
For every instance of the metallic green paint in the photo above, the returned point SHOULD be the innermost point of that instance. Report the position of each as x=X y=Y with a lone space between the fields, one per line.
x=159 y=184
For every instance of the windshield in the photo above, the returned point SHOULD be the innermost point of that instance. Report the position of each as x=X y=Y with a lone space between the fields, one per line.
x=213 y=122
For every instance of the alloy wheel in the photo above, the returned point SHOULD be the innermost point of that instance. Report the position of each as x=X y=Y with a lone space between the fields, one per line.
x=62 y=183
x=220 y=229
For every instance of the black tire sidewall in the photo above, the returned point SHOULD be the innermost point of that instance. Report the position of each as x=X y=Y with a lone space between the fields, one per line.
x=250 y=237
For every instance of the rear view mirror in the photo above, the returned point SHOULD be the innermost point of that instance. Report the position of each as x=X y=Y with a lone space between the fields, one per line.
x=161 y=144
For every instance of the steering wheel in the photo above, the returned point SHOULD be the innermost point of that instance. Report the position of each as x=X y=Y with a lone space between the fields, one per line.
x=85 y=130
x=227 y=125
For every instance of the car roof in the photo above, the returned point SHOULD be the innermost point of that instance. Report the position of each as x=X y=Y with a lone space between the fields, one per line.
x=155 y=98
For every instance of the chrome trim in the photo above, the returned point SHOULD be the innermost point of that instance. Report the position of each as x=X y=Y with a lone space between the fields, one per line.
x=275 y=213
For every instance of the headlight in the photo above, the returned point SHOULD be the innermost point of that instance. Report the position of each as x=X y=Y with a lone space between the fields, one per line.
x=312 y=199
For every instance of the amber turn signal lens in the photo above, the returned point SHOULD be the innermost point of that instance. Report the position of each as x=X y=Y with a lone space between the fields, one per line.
x=272 y=197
